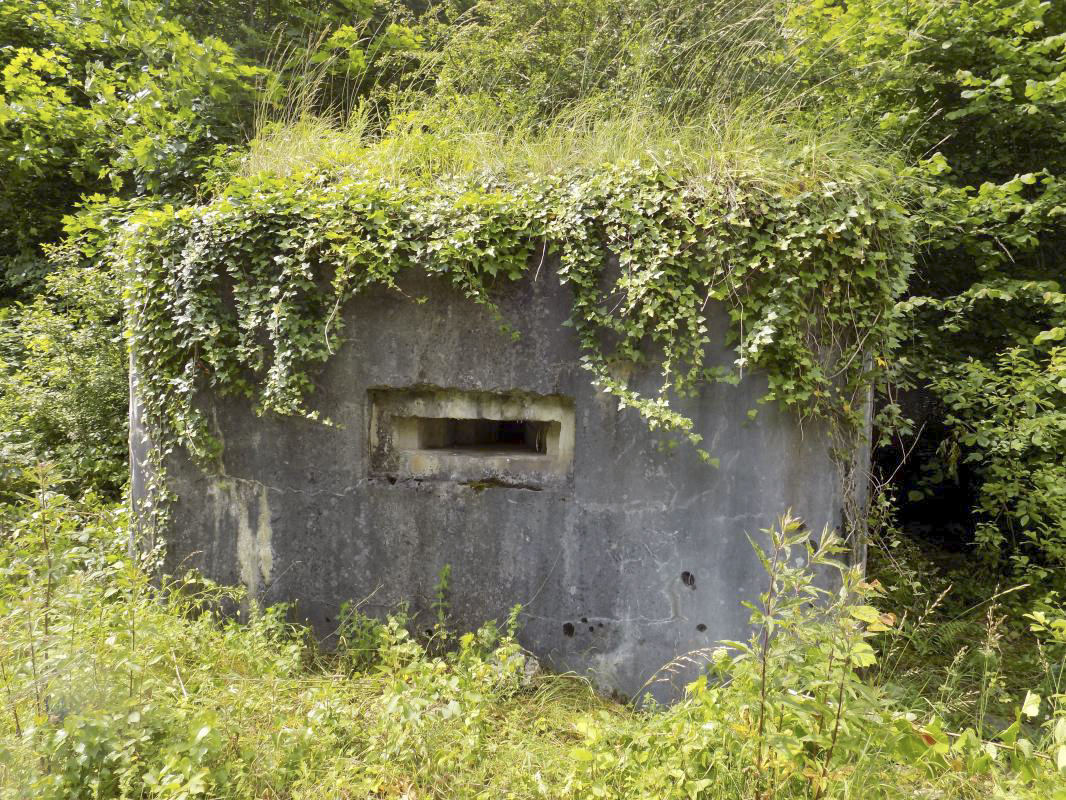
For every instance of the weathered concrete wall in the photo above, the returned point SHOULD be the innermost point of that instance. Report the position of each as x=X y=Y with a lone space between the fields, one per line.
x=630 y=556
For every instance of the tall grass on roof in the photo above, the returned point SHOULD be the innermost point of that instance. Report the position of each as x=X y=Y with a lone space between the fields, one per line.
x=532 y=88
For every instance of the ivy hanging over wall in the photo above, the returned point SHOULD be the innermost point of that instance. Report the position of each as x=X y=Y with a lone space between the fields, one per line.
x=245 y=294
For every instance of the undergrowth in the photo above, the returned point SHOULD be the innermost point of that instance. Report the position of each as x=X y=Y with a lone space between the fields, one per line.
x=116 y=687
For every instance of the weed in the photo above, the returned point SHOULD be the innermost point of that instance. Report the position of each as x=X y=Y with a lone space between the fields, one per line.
x=114 y=687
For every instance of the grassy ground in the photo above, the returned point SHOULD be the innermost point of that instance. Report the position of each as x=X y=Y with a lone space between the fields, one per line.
x=115 y=689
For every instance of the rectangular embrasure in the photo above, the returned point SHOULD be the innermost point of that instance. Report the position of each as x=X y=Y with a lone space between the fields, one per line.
x=504 y=438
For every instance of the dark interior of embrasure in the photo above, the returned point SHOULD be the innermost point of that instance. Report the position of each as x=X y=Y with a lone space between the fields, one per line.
x=485 y=436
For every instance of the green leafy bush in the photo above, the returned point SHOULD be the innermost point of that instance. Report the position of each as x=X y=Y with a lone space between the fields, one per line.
x=801 y=711
x=63 y=383
x=116 y=688
x=1014 y=430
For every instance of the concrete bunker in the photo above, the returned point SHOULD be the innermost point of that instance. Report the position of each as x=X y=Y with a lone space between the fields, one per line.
x=447 y=447
x=436 y=437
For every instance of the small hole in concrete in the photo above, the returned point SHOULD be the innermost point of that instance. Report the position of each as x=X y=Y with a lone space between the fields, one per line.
x=585 y=620
x=701 y=627
x=568 y=628
x=688 y=579
x=591 y=629
x=599 y=624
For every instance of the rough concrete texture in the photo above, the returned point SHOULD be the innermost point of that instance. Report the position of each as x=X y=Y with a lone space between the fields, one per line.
x=631 y=556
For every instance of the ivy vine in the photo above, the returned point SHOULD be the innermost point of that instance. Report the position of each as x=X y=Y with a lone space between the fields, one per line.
x=245 y=294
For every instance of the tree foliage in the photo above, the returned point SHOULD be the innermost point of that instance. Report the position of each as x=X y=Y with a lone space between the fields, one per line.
x=104 y=97
x=976 y=93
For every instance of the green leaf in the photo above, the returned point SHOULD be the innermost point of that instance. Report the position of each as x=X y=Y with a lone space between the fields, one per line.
x=1031 y=704
x=581 y=754
x=867 y=614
